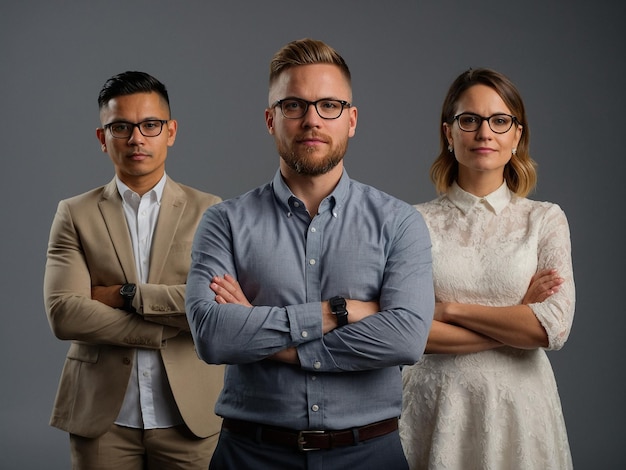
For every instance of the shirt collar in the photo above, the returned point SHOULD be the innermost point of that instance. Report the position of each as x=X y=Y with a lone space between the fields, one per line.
x=156 y=193
x=465 y=201
x=335 y=199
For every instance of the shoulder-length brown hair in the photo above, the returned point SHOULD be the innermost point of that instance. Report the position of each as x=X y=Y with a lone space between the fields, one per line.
x=520 y=173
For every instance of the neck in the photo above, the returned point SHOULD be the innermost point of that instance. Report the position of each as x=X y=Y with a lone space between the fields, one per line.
x=480 y=184
x=311 y=189
x=140 y=184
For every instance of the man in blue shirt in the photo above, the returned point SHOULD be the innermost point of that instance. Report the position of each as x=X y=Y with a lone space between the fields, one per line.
x=313 y=288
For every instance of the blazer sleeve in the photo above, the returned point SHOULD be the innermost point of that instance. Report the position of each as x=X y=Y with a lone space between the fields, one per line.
x=73 y=252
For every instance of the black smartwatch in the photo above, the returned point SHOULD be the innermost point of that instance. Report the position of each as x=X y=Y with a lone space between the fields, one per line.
x=127 y=291
x=338 y=307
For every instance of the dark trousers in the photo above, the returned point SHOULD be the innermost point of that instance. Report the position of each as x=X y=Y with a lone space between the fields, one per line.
x=236 y=452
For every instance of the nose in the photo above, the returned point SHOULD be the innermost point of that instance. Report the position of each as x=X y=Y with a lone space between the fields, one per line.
x=136 y=136
x=311 y=118
x=484 y=131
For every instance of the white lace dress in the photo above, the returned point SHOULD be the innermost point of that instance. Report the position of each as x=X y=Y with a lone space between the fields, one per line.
x=496 y=409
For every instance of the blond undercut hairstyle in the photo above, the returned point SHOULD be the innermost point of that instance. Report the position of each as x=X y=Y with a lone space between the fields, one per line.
x=520 y=173
x=306 y=52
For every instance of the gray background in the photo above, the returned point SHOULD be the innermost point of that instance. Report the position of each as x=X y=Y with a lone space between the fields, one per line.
x=566 y=57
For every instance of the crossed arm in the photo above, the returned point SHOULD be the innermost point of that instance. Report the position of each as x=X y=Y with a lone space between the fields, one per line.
x=228 y=291
x=465 y=328
x=78 y=311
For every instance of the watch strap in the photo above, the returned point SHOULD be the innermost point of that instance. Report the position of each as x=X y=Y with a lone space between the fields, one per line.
x=127 y=291
x=338 y=307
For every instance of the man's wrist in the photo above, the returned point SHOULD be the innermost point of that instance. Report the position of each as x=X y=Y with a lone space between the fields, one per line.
x=338 y=308
x=127 y=291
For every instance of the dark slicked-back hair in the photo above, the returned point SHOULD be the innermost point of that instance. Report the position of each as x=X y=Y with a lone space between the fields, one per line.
x=306 y=52
x=520 y=173
x=128 y=83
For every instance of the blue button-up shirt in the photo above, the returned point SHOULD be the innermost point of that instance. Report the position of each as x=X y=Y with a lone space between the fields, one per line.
x=363 y=244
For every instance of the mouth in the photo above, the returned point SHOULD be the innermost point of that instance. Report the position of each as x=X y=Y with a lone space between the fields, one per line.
x=138 y=156
x=312 y=140
x=483 y=150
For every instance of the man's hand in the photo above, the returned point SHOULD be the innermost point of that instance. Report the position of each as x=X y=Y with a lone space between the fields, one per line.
x=108 y=295
x=228 y=291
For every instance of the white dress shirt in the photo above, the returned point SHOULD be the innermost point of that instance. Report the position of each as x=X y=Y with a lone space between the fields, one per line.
x=149 y=402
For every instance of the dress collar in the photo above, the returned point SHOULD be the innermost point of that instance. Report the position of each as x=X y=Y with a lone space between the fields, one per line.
x=465 y=201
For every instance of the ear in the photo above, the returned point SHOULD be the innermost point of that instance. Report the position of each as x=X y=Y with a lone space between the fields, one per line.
x=172 y=128
x=448 y=131
x=353 y=119
x=518 y=135
x=269 y=119
x=100 y=134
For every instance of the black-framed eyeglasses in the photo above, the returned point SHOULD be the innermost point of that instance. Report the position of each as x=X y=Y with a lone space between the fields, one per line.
x=295 y=108
x=124 y=129
x=498 y=123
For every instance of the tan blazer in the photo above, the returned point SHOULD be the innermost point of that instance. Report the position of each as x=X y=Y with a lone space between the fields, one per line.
x=90 y=245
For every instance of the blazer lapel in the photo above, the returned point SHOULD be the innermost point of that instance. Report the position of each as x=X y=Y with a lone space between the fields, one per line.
x=115 y=220
x=173 y=205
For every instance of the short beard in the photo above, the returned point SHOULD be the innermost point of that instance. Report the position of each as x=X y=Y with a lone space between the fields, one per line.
x=304 y=164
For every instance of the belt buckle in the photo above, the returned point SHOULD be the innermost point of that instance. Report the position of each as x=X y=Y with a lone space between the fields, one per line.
x=302 y=440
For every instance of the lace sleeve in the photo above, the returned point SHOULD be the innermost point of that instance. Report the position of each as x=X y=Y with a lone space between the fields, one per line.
x=556 y=313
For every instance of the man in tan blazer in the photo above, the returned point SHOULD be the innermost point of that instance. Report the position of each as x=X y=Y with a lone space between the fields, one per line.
x=133 y=393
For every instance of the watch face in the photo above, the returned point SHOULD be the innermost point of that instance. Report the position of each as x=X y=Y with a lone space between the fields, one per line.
x=337 y=303
x=128 y=290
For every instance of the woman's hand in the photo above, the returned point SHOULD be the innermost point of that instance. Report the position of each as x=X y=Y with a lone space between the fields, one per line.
x=542 y=285
x=228 y=291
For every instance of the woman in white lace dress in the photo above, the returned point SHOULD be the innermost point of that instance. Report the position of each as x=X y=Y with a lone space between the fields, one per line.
x=484 y=396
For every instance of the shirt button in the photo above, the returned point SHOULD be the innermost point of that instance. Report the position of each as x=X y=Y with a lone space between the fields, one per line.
x=126 y=361
x=317 y=365
x=296 y=204
x=311 y=262
x=146 y=374
x=314 y=378
x=313 y=229
x=315 y=408
x=304 y=334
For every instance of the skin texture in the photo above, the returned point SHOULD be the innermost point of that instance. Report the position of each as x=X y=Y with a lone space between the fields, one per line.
x=481 y=154
x=139 y=161
x=311 y=148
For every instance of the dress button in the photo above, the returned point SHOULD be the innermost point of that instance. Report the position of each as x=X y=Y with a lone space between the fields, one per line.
x=311 y=262
x=304 y=334
x=315 y=408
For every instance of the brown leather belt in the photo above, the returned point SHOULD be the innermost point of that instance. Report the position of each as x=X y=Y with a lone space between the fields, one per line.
x=309 y=440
